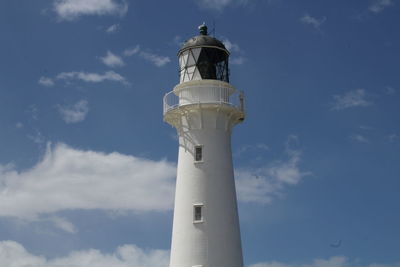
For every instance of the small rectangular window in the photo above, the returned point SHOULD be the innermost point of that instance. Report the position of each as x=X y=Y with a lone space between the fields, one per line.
x=198 y=153
x=198 y=213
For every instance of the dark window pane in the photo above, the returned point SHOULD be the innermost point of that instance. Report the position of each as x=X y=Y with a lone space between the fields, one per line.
x=198 y=153
x=197 y=213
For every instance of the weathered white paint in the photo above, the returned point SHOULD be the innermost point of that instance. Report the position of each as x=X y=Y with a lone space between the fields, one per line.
x=204 y=115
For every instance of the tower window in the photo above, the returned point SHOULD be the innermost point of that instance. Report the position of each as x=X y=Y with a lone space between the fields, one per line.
x=198 y=153
x=198 y=213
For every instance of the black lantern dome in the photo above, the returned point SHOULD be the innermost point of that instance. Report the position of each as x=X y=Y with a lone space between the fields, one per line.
x=203 y=57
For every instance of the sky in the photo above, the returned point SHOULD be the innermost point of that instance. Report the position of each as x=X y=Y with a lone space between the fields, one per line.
x=87 y=165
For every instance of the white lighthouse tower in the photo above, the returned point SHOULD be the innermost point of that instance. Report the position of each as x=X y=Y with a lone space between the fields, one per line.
x=203 y=108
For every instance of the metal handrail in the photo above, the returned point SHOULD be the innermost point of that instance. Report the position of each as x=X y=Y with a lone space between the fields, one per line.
x=208 y=95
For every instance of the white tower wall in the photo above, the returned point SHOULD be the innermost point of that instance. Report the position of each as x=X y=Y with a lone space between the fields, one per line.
x=204 y=114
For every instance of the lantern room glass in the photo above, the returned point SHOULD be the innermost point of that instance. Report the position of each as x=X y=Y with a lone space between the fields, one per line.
x=202 y=63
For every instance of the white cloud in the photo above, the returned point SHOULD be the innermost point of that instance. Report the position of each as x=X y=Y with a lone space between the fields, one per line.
x=113 y=28
x=157 y=60
x=13 y=254
x=19 y=125
x=379 y=5
x=92 y=77
x=112 y=60
x=316 y=23
x=72 y=9
x=359 y=138
x=46 y=81
x=68 y=178
x=353 y=98
x=261 y=185
x=132 y=51
x=74 y=113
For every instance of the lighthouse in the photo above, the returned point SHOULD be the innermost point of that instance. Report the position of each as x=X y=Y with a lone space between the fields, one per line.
x=204 y=107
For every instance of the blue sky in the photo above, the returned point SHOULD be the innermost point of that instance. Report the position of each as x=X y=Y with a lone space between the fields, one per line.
x=87 y=165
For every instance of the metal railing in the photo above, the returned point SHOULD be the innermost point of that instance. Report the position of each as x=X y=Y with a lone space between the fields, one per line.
x=204 y=95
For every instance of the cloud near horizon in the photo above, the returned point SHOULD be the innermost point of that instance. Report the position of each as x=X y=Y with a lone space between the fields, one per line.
x=16 y=255
x=68 y=178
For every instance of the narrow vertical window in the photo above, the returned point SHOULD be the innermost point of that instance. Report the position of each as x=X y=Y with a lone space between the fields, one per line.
x=198 y=153
x=198 y=213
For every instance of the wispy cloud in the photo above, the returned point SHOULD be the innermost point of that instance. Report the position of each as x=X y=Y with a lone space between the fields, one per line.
x=237 y=57
x=359 y=138
x=309 y=20
x=113 y=28
x=231 y=46
x=261 y=185
x=221 y=4
x=68 y=178
x=353 y=98
x=46 y=81
x=112 y=60
x=63 y=224
x=36 y=137
x=378 y=6
x=33 y=111
x=246 y=148
x=237 y=60
x=132 y=51
x=393 y=137
x=75 y=113
x=157 y=60
x=178 y=40
x=73 y=9
x=14 y=254
x=92 y=77
x=390 y=90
